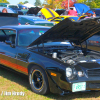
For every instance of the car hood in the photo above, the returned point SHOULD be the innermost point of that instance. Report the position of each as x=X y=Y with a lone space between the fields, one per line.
x=49 y=13
x=60 y=11
x=81 y=8
x=74 y=31
x=33 y=10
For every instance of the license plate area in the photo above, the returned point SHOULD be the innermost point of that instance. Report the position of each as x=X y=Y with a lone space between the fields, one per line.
x=81 y=86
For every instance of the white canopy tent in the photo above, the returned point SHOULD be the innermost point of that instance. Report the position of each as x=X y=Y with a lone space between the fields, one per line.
x=28 y=5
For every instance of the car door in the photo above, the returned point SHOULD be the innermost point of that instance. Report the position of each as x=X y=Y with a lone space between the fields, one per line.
x=22 y=60
x=8 y=53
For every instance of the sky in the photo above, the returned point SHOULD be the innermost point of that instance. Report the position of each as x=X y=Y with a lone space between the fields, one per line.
x=17 y=1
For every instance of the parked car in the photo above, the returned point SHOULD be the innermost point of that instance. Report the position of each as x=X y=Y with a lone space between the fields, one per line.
x=53 y=16
x=3 y=4
x=32 y=20
x=97 y=11
x=8 y=19
x=48 y=14
x=63 y=68
x=94 y=42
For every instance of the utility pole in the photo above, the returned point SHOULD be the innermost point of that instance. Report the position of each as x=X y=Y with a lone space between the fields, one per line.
x=52 y=3
x=68 y=4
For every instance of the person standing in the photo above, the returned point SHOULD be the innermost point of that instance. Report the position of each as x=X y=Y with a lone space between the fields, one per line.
x=4 y=10
x=72 y=12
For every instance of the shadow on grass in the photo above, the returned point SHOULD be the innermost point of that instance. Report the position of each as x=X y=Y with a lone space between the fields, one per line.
x=22 y=80
x=76 y=96
x=15 y=77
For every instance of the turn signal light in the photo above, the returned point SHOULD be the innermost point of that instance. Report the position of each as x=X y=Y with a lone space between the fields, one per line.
x=53 y=74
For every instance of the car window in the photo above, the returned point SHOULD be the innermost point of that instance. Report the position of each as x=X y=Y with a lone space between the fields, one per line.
x=21 y=20
x=1 y=32
x=8 y=35
x=27 y=36
x=5 y=5
x=13 y=6
x=10 y=32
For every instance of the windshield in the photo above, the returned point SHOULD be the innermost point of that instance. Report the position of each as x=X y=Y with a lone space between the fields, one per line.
x=13 y=6
x=27 y=36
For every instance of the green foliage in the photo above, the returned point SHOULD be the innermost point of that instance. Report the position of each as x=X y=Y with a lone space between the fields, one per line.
x=81 y=1
x=37 y=3
x=97 y=3
x=90 y=3
x=21 y=3
x=4 y=1
x=53 y=4
x=26 y=2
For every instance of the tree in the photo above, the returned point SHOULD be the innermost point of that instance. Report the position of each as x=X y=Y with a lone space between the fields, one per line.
x=21 y=3
x=37 y=3
x=97 y=2
x=4 y=1
x=90 y=3
x=65 y=3
x=48 y=3
x=53 y=4
x=26 y=2
x=82 y=1
x=57 y=4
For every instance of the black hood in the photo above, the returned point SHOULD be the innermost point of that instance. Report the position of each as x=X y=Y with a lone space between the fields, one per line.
x=74 y=31
x=60 y=11
x=33 y=10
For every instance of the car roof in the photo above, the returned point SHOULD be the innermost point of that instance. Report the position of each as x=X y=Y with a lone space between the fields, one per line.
x=34 y=18
x=26 y=16
x=8 y=9
x=19 y=27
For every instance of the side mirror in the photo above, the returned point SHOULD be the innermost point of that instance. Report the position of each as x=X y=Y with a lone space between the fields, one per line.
x=8 y=42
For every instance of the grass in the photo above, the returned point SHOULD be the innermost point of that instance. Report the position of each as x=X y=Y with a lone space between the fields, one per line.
x=10 y=81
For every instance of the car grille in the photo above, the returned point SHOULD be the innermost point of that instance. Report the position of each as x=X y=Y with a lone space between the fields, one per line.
x=93 y=73
x=94 y=85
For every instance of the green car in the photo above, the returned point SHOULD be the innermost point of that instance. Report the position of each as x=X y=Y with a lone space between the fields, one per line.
x=32 y=20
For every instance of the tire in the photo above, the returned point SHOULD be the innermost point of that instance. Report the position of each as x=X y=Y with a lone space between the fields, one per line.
x=38 y=80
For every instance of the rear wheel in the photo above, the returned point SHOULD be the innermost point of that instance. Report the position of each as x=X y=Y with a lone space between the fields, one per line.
x=38 y=80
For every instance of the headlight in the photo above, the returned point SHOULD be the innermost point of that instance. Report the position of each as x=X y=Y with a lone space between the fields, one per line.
x=68 y=72
x=71 y=73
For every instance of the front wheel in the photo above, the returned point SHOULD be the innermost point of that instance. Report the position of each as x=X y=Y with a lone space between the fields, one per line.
x=38 y=80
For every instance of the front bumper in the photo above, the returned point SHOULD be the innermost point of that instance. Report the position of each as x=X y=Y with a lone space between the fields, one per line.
x=65 y=87
x=88 y=86
x=62 y=85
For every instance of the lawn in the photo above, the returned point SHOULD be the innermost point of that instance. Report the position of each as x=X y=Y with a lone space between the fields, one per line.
x=12 y=82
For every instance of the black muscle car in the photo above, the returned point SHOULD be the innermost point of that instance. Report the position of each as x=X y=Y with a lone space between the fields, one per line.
x=50 y=57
